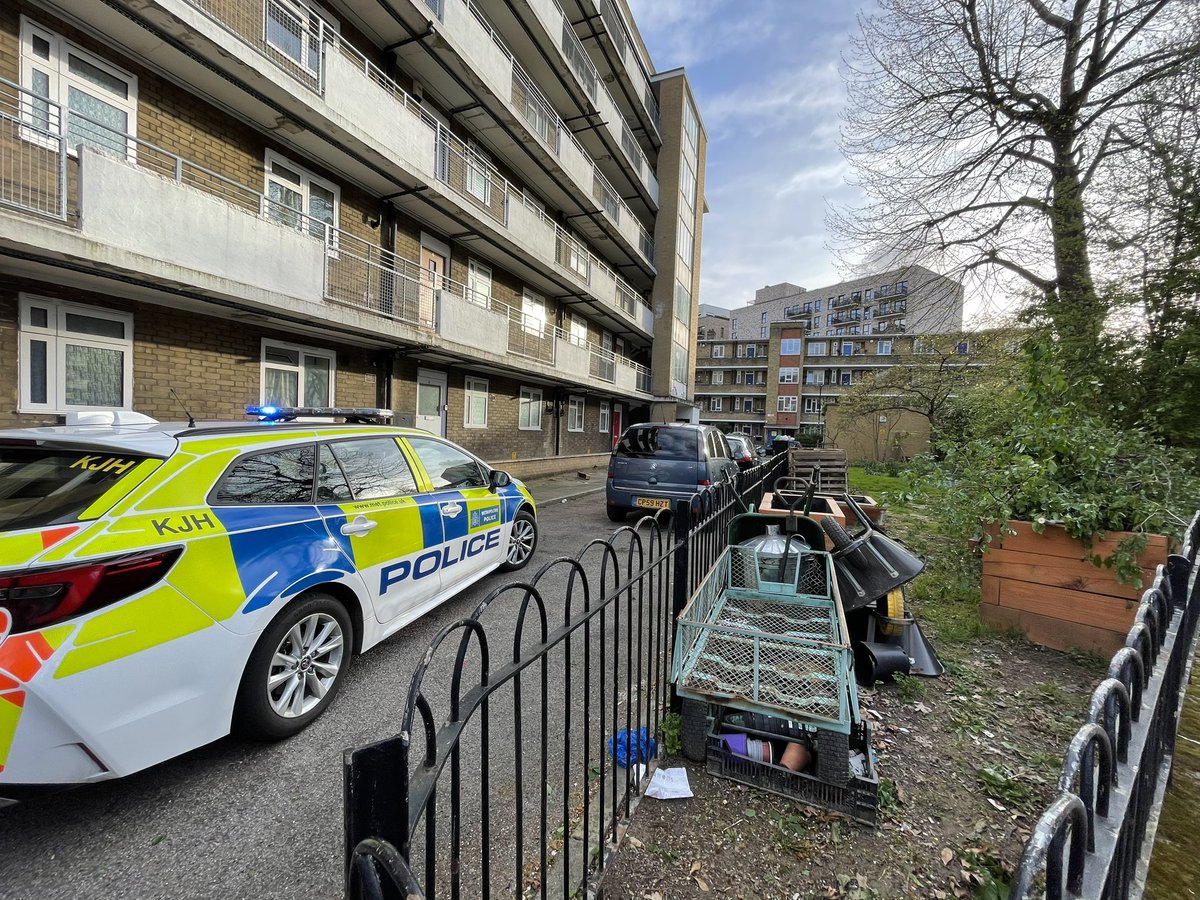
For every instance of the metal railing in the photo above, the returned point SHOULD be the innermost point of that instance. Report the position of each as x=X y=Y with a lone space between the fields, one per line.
x=1119 y=761
x=614 y=23
x=507 y=787
x=37 y=136
x=298 y=45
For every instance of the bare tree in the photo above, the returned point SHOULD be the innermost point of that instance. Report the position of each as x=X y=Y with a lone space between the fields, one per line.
x=978 y=127
x=927 y=380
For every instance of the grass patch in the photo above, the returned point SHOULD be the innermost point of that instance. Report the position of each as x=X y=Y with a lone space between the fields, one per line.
x=864 y=482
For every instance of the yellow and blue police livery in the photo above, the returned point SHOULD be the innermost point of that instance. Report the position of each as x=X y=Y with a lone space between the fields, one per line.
x=163 y=584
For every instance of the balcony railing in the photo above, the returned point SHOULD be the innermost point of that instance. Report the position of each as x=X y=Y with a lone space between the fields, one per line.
x=299 y=47
x=357 y=273
x=614 y=23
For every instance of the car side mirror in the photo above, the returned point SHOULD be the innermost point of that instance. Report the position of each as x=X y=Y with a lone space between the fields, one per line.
x=498 y=479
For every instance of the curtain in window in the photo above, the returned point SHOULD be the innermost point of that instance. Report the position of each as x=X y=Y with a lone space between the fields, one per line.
x=93 y=376
x=282 y=387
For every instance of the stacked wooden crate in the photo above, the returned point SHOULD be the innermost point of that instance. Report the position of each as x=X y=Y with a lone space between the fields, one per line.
x=827 y=467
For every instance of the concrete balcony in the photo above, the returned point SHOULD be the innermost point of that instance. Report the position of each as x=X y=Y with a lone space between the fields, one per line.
x=726 y=389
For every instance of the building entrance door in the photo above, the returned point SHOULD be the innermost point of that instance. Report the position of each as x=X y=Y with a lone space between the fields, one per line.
x=431 y=402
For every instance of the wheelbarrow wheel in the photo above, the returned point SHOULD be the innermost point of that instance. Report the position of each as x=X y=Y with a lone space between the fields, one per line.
x=837 y=534
x=833 y=756
x=693 y=729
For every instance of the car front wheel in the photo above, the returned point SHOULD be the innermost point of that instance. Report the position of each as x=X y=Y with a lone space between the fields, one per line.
x=296 y=668
x=522 y=542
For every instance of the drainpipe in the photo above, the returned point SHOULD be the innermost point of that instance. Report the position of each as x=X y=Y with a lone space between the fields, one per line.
x=558 y=421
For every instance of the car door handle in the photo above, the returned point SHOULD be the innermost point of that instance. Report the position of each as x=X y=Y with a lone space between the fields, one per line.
x=450 y=510
x=361 y=525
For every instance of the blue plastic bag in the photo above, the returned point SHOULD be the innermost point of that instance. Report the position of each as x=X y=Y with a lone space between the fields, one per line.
x=642 y=752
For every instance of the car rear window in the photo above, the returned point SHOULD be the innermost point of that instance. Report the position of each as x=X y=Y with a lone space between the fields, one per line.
x=42 y=486
x=660 y=443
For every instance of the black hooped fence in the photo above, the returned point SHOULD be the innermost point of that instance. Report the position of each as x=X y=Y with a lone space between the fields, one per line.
x=501 y=781
x=1093 y=841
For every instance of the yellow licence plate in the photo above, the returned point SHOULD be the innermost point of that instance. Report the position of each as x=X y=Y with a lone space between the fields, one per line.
x=652 y=502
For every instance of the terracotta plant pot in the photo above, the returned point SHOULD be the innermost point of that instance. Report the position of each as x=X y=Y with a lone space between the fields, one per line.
x=795 y=757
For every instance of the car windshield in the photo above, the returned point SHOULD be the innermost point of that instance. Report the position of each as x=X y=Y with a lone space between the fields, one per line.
x=41 y=486
x=668 y=443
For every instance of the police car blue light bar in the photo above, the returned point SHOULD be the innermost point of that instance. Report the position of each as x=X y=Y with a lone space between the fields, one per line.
x=271 y=413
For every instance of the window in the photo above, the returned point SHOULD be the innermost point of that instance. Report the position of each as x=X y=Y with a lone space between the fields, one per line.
x=605 y=423
x=789 y=375
x=578 y=330
x=685 y=243
x=44 y=485
x=845 y=378
x=364 y=469
x=884 y=348
x=295 y=31
x=479 y=283
x=683 y=303
x=529 y=416
x=475 y=402
x=533 y=314
x=817 y=348
x=901 y=287
x=788 y=404
x=276 y=476
x=813 y=377
x=962 y=348
x=718 y=351
x=764 y=331
x=575 y=409
x=478 y=176
x=687 y=184
x=789 y=347
x=869 y=294
x=63 y=75
x=73 y=357
x=716 y=403
x=718 y=377
x=679 y=364
x=293 y=375
x=855 y=296
x=691 y=125
x=448 y=467
x=300 y=199
x=812 y=404
x=920 y=346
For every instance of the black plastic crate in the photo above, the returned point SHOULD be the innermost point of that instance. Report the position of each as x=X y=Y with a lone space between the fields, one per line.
x=858 y=798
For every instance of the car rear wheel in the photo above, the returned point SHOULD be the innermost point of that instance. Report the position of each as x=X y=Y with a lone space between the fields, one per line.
x=616 y=514
x=296 y=668
x=522 y=542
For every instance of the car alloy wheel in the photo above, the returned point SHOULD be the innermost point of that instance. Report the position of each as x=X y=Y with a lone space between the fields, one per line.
x=521 y=542
x=305 y=665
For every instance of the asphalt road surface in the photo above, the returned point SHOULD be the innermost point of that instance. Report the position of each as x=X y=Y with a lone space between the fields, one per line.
x=238 y=819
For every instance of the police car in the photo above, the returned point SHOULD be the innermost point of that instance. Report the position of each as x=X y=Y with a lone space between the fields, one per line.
x=162 y=585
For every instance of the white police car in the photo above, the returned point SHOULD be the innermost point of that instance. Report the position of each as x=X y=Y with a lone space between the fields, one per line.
x=163 y=584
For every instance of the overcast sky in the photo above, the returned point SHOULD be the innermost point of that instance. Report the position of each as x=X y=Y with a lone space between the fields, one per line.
x=765 y=74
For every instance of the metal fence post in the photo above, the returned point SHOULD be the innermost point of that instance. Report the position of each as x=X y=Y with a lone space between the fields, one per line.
x=679 y=578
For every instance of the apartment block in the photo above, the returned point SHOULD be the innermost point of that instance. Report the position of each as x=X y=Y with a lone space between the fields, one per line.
x=778 y=364
x=483 y=215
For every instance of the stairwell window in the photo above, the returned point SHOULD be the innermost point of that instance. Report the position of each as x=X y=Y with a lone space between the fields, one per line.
x=301 y=200
x=294 y=375
x=788 y=404
x=296 y=31
x=73 y=356
x=789 y=375
x=98 y=99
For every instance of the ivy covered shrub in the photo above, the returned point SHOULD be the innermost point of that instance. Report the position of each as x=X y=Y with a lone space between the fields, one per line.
x=1038 y=452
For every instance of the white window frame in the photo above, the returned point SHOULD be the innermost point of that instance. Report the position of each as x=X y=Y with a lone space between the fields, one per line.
x=473 y=388
x=307 y=180
x=310 y=20
x=718 y=351
x=56 y=337
x=748 y=404
x=817 y=348
x=577 y=329
x=715 y=404
x=576 y=411
x=303 y=350
x=687 y=184
x=718 y=376
x=477 y=175
x=533 y=313
x=787 y=404
x=604 y=422
x=529 y=398
x=61 y=79
x=847 y=348
x=479 y=283
x=691 y=124
x=790 y=347
x=883 y=348
x=812 y=405
x=686 y=241
x=789 y=375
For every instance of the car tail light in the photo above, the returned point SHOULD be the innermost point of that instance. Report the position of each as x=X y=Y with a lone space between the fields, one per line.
x=45 y=596
x=703 y=482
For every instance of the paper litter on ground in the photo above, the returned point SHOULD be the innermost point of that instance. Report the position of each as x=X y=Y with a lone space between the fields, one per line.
x=669 y=784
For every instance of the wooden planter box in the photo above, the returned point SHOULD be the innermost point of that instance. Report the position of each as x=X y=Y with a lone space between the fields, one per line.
x=1046 y=586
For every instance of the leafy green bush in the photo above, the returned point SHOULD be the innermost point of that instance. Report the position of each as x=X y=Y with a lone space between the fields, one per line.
x=1038 y=453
